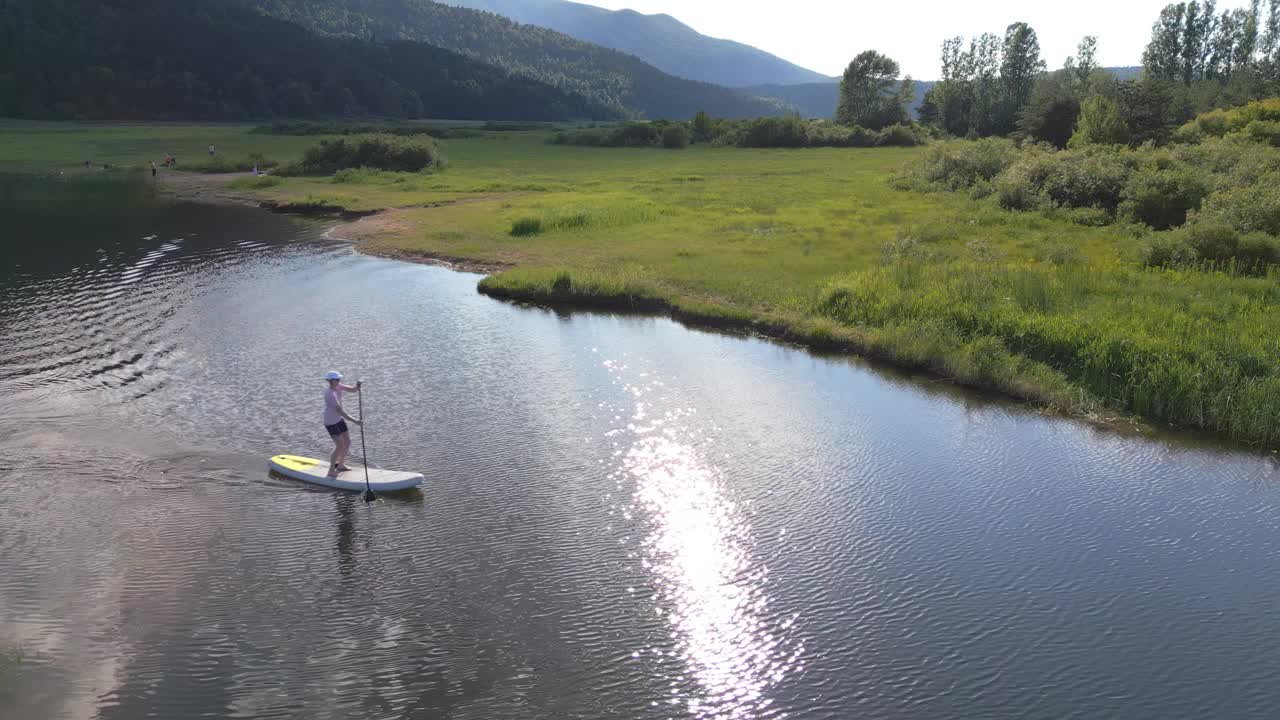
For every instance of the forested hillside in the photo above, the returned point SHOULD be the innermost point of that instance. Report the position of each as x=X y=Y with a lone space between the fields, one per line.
x=203 y=59
x=660 y=40
x=608 y=77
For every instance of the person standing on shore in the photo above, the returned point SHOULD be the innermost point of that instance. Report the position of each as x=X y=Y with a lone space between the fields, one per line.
x=335 y=418
x=153 y=170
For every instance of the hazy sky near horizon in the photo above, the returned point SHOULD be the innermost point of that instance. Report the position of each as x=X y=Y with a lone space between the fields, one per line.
x=824 y=36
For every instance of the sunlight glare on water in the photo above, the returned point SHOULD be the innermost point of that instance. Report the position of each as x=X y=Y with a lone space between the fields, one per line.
x=710 y=587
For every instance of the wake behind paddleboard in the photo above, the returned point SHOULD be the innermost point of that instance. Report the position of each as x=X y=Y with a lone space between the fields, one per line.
x=316 y=472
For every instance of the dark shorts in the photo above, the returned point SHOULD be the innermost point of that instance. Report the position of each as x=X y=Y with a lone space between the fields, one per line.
x=337 y=429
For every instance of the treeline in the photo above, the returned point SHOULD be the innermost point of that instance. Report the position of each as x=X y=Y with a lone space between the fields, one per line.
x=1197 y=59
x=154 y=59
x=621 y=82
x=765 y=132
x=345 y=127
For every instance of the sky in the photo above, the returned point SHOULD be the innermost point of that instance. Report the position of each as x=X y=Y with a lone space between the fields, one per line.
x=825 y=35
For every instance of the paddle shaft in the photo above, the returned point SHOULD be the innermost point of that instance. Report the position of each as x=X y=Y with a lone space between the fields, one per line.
x=364 y=454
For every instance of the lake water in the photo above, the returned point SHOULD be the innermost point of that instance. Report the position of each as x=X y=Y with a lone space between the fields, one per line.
x=623 y=518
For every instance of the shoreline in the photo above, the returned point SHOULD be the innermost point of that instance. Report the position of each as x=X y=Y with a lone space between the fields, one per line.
x=363 y=228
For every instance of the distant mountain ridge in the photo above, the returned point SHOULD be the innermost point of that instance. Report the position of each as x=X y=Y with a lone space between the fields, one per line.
x=660 y=40
x=602 y=76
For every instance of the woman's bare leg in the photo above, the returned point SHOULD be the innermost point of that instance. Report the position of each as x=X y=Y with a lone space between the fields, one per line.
x=344 y=444
x=333 y=459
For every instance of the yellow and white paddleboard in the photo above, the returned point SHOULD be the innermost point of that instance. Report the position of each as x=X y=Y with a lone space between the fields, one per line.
x=317 y=472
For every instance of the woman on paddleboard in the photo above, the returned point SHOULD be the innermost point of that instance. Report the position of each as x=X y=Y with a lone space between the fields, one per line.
x=335 y=420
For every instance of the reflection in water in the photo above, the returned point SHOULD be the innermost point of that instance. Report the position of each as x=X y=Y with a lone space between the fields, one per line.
x=711 y=588
x=346 y=535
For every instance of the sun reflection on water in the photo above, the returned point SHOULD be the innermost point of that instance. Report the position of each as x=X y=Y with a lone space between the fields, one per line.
x=709 y=586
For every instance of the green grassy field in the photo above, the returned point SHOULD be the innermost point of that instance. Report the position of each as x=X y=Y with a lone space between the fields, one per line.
x=814 y=245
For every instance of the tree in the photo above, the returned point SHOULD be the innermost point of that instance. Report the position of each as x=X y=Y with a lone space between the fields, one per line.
x=1086 y=59
x=675 y=137
x=1019 y=67
x=907 y=92
x=703 y=127
x=1162 y=58
x=984 y=59
x=1050 y=115
x=1146 y=107
x=1100 y=124
x=867 y=92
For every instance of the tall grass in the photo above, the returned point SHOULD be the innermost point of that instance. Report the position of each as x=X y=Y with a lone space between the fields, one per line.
x=1141 y=340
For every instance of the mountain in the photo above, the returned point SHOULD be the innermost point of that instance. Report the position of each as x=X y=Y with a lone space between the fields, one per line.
x=818 y=100
x=608 y=77
x=660 y=40
x=204 y=59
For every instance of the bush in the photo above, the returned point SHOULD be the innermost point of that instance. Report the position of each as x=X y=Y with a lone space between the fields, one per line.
x=1247 y=209
x=1018 y=187
x=1218 y=123
x=635 y=134
x=1094 y=179
x=1162 y=198
x=901 y=136
x=524 y=227
x=958 y=165
x=1264 y=131
x=675 y=137
x=772 y=132
x=1210 y=241
x=380 y=152
x=1170 y=250
x=1257 y=251
x=1216 y=243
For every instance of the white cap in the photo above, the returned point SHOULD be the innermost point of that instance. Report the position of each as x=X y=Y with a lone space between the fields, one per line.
x=333 y=375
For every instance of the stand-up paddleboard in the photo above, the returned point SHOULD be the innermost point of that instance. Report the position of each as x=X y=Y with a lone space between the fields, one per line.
x=317 y=472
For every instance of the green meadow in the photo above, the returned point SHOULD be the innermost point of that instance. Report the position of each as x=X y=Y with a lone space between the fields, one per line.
x=814 y=245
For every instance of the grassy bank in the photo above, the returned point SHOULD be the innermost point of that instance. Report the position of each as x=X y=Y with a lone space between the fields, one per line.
x=817 y=246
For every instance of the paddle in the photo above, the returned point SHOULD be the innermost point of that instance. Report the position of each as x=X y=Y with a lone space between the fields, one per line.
x=368 y=491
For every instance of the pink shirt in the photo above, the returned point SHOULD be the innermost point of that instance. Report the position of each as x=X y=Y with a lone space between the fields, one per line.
x=332 y=405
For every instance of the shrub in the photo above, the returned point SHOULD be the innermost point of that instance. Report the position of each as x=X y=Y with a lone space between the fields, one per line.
x=1170 y=250
x=1162 y=198
x=562 y=283
x=858 y=136
x=1256 y=251
x=635 y=134
x=1251 y=208
x=1264 y=131
x=675 y=137
x=1094 y=179
x=524 y=227
x=957 y=165
x=770 y=132
x=1217 y=123
x=1018 y=187
x=901 y=136
x=380 y=152
x=1210 y=241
